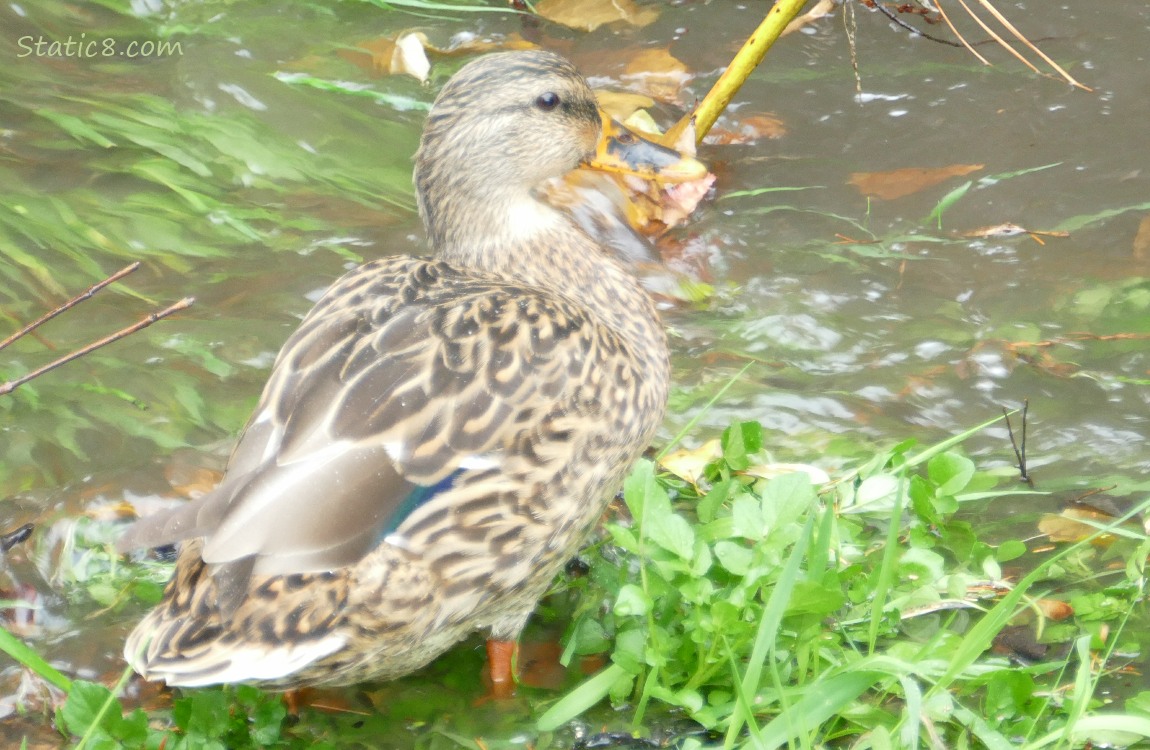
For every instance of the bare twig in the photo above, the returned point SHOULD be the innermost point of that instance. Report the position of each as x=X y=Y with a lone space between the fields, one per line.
x=919 y=32
x=139 y=325
x=1018 y=35
x=70 y=304
x=961 y=38
x=1019 y=446
x=998 y=38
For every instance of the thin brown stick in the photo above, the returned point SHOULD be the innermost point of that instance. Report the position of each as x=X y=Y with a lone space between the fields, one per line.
x=70 y=304
x=139 y=325
x=998 y=38
x=1018 y=35
x=961 y=38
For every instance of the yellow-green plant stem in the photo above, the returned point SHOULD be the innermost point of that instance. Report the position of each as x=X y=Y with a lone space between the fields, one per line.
x=740 y=68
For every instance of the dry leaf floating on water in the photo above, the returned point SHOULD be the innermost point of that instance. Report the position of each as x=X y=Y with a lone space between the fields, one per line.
x=898 y=183
x=588 y=15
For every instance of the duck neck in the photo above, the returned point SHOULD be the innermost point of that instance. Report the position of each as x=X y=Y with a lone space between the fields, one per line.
x=503 y=234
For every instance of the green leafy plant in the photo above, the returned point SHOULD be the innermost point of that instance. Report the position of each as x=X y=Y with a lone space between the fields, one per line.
x=771 y=613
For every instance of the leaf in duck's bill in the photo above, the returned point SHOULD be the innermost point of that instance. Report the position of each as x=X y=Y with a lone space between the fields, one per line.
x=601 y=201
x=588 y=15
x=902 y=182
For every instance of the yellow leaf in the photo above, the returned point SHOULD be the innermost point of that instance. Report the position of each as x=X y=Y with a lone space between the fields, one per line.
x=410 y=57
x=688 y=463
x=622 y=105
x=1070 y=526
x=588 y=15
x=642 y=122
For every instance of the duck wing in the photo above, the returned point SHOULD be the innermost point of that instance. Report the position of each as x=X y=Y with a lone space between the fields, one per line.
x=407 y=374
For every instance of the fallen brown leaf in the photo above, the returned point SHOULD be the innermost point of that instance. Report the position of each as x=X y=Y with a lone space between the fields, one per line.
x=901 y=182
x=407 y=53
x=658 y=73
x=1013 y=230
x=998 y=230
x=1054 y=609
x=466 y=44
x=1070 y=526
x=588 y=15
x=746 y=130
x=192 y=481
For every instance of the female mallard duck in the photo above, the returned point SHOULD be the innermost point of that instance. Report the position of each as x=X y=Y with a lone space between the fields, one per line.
x=440 y=433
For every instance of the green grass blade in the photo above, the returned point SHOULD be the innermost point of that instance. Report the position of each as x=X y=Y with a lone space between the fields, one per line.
x=884 y=581
x=580 y=699
x=820 y=702
x=22 y=653
x=1074 y=223
x=703 y=412
x=948 y=200
x=768 y=629
x=928 y=453
x=992 y=179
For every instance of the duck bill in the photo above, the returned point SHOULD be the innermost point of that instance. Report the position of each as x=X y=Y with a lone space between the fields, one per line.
x=623 y=151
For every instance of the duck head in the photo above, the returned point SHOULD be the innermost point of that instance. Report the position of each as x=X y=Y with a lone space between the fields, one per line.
x=501 y=127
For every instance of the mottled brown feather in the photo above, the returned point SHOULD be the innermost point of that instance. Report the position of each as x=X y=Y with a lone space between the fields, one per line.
x=521 y=372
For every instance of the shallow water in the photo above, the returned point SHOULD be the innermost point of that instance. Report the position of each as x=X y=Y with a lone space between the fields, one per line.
x=864 y=321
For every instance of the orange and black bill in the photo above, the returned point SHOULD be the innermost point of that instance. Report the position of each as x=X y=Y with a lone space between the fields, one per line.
x=624 y=152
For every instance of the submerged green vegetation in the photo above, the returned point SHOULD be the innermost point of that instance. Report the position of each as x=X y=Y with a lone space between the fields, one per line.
x=912 y=601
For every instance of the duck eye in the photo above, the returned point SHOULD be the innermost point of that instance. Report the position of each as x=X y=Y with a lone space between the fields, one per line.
x=548 y=101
